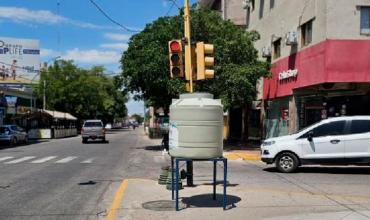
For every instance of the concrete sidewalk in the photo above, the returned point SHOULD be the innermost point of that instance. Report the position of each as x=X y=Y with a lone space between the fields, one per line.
x=145 y=199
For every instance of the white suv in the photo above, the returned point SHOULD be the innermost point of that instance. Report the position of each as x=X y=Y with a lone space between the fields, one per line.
x=341 y=140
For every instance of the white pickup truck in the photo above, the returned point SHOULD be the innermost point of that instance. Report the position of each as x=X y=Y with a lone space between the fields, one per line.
x=92 y=129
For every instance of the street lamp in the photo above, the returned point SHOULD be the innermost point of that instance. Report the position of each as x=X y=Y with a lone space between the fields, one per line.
x=44 y=93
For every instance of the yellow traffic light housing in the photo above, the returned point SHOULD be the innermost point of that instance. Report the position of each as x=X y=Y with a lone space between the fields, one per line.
x=205 y=60
x=176 y=58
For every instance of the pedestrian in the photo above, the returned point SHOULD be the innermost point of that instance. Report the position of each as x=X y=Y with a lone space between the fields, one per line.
x=2 y=72
x=13 y=69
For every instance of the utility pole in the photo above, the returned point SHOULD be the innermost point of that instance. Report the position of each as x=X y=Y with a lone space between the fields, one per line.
x=188 y=58
x=189 y=75
x=44 y=97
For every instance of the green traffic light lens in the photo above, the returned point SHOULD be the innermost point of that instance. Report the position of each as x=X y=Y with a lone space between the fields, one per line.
x=175 y=71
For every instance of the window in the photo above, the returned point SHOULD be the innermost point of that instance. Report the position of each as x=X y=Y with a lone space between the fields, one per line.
x=306 y=33
x=272 y=4
x=277 y=48
x=262 y=7
x=365 y=20
x=93 y=124
x=360 y=126
x=332 y=128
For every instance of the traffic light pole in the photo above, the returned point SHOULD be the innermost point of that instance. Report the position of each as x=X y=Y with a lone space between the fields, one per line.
x=189 y=75
x=188 y=61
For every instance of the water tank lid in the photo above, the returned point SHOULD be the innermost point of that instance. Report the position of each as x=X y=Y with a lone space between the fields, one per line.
x=196 y=95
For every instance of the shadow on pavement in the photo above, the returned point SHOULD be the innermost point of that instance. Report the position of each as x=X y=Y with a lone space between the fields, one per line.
x=96 y=142
x=328 y=170
x=152 y=148
x=117 y=130
x=206 y=201
x=4 y=145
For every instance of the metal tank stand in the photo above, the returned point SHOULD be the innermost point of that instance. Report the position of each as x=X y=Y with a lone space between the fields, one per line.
x=175 y=190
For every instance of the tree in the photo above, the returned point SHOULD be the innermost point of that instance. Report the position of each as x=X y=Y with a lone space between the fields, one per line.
x=85 y=93
x=146 y=67
x=138 y=118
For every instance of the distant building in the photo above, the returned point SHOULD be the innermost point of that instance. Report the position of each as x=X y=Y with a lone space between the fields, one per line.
x=320 y=55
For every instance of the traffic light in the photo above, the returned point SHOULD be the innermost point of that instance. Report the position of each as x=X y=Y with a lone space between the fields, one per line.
x=205 y=60
x=176 y=60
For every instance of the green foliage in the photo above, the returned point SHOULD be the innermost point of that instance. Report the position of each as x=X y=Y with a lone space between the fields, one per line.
x=138 y=118
x=85 y=93
x=146 y=67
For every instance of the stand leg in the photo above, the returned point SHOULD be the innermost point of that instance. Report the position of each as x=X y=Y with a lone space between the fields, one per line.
x=189 y=172
x=173 y=178
x=177 y=185
x=214 y=178
x=225 y=182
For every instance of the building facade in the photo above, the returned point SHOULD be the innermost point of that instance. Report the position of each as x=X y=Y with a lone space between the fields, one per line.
x=233 y=10
x=320 y=56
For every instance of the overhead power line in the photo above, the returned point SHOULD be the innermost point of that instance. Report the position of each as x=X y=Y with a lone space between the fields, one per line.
x=111 y=19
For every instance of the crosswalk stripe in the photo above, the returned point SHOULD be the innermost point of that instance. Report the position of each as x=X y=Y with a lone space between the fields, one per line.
x=42 y=160
x=20 y=160
x=90 y=160
x=66 y=160
x=5 y=158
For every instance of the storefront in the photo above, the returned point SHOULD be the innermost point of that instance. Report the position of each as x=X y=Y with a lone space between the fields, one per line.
x=329 y=79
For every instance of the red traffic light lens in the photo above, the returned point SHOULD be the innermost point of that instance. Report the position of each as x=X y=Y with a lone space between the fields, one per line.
x=175 y=46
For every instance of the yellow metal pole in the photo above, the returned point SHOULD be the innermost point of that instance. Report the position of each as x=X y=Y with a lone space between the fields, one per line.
x=188 y=61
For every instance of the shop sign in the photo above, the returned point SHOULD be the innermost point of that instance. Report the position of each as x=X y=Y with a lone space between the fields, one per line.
x=288 y=74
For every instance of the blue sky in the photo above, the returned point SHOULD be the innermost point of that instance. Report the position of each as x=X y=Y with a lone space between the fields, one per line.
x=75 y=29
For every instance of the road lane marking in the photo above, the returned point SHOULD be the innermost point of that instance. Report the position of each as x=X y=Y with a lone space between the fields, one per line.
x=19 y=160
x=42 y=160
x=117 y=200
x=66 y=160
x=90 y=160
x=5 y=158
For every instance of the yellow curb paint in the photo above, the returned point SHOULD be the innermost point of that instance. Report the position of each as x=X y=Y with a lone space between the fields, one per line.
x=243 y=156
x=117 y=200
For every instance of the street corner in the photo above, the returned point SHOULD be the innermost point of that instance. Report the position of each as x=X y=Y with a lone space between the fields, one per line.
x=143 y=198
x=243 y=155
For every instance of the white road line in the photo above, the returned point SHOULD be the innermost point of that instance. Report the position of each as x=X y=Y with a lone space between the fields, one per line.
x=90 y=160
x=5 y=158
x=20 y=160
x=42 y=160
x=66 y=160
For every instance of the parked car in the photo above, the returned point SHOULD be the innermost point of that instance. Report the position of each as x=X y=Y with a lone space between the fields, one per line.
x=92 y=129
x=108 y=126
x=13 y=134
x=341 y=140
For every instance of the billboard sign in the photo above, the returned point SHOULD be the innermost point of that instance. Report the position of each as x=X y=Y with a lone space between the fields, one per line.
x=19 y=60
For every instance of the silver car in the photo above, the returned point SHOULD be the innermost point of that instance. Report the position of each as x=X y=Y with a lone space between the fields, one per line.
x=13 y=134
x=93 y=129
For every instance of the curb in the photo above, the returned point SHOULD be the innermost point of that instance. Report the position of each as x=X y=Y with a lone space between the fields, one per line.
x=243 y=156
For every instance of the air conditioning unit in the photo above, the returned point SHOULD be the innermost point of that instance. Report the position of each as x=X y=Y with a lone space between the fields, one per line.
x=266 y=51
x=246 y=4
x=291 y=38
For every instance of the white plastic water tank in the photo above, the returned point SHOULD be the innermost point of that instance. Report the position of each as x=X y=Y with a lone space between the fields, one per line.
x=196 y=126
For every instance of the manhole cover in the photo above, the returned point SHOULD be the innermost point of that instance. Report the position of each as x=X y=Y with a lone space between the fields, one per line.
x=161 y=205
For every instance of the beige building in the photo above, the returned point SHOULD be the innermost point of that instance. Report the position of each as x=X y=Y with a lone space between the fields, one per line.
x=234 y=10
x=320 y=52
x=320 y=56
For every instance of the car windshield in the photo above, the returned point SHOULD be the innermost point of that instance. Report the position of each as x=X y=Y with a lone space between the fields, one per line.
x=93 y=124
x=3 y=130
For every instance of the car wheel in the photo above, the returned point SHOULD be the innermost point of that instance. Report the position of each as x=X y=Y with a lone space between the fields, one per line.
x=84 y=140
x=103 y=140
x=287 y=162
x=13 y=141
x=26 y=140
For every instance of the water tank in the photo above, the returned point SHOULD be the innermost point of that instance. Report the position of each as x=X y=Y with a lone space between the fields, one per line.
x=196 y=126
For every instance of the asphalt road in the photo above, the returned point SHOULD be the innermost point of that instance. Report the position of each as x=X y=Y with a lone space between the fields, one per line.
x=65 y=179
